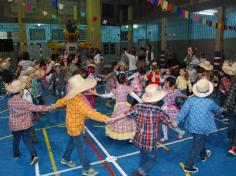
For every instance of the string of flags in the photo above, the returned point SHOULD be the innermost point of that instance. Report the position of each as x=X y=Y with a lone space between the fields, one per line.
x=185 y=14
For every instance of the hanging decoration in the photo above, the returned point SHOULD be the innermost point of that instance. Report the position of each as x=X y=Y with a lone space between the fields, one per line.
x=94 y=18
x=28 y=6
x=54 y=4
x=185 y=14
x=45 y=13
x=54 y=16
x=60 y=6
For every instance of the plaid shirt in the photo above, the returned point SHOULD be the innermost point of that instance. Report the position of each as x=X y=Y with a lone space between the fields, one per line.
x=147 y=117
x=230 y=103
x=76 y=111
x=20 y=112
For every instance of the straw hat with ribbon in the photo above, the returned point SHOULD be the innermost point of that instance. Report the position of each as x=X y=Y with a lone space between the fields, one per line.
x=203 y=88
x=29 y=71
x=229 y=68
x=121 y=63
x=206 y=65
x=152 y=94
x=78 y=84
x=15 y=87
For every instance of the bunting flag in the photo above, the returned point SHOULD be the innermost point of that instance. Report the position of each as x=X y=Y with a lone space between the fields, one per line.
x=54 y=4
x=185 y=14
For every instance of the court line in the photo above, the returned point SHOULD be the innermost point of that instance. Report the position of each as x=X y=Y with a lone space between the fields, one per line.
x=182 y=167
x=36 y=167
x=90 y=143
x=51 y=156
x=221 y=121
x=106 y=152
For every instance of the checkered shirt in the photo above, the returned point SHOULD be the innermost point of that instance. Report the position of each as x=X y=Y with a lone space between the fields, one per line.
x=20 y=113
x=147 y=117
x=230 y=103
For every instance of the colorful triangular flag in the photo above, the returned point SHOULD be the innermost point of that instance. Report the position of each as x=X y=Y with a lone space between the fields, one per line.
x=165 y=5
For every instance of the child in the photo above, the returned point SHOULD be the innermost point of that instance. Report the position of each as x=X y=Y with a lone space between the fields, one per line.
x=230 y=107
x=77 y=110
x=197 y=113
x=125 y=128
x=147 y=116
x=153 y=77
x=20 y=119
x=170 y=107
x=37 y=86
x=224 y=85
x=58 y=80
x=183 y=82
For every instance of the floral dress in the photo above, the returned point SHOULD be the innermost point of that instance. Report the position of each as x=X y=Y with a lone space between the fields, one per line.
x=170 y=107
x=122 y=129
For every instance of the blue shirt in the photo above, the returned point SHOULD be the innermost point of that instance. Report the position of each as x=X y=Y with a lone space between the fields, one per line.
x=197 y=114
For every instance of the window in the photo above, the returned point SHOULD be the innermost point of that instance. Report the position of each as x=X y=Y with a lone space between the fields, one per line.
x=57 y=34
x=124 y=35
x=109 y=48
x=107 y=10
x=37 y=34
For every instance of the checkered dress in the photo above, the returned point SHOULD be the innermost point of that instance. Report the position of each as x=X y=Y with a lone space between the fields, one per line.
x=147 y=117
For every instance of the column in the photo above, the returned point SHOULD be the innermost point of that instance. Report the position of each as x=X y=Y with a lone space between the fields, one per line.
x=93 y=13
x=21 y=24
x=130 y=27
x=163 y=39
x=219 y=40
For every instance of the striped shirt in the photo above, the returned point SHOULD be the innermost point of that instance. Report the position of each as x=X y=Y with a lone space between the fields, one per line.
x=147 y=117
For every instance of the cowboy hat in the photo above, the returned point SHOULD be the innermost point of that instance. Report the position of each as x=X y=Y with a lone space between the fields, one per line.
x=57 y=65
x=121 y=63
x=203 y=88
x=30 y=70
x=206 y=65
x=91 y=65
x=15 y=87
x=26 y=79
x=229 y=68
x=52 y=64
x=5 y=63
x=78 y=84
x=152 y=94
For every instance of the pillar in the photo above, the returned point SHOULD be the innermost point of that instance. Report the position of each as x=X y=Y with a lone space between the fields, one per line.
x=93 y=13
x=219 y=40
x=163 y=39
x=130 y=27
x=21 y=24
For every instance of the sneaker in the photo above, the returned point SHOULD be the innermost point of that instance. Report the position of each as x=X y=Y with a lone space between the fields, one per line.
x=232 y=151
x=191 y=170
x=136 y=173
x=208 y=153
x=181 y=135
x=34 y=160
x=68 y=163
x=90 y=172
x=16 y=157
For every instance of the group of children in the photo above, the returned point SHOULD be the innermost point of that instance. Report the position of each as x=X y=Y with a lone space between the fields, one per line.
x=159 y=94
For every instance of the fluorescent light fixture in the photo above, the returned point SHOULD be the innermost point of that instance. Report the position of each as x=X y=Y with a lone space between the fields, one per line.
x=135 y=26
x=39 y=25
x=126 y=26
x=210 y=12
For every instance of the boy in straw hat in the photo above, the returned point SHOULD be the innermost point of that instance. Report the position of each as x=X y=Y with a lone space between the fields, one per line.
x=20 y=118
x=76 y=111
x=147 y=116
x=230 y=107
x=197 y=113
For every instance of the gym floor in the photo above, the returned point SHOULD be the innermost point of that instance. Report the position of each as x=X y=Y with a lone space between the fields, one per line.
x=108 y=156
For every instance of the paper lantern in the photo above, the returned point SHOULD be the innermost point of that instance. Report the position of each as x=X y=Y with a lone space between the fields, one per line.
x=54 y=16
x=45 y=13
x=60 y=6
x=104 y=22
x=28 y=6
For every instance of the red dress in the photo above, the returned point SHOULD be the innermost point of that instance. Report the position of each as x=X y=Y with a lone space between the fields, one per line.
x=154 y=78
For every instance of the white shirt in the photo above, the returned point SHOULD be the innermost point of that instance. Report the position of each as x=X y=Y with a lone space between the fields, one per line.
x=27 y=96
x=97 y=59
x=132 y=61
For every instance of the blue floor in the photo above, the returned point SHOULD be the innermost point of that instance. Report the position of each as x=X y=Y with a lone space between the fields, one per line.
x=109 y=157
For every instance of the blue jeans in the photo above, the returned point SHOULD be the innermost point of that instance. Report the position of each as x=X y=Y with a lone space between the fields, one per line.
x=25 y=135
x=78 y=142
x=147 y=161
x=198 y=149
x=232 y=128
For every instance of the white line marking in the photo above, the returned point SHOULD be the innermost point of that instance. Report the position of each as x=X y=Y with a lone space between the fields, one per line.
x=71 y=169
x=36 y=166
x=4 y=117
x=106 y=152
x=221 y=121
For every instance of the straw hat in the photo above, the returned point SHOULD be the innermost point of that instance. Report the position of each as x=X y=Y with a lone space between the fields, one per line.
x=152 y=94
x=15 y=87
x=57 y=65
x=52 y=64
x=26 y=79
x=78 y=84
x=29 y=71
x=229 y=68
x=91 y=65
x=121 y=63
x=206 y=65
x=203 y=88
x=5 y=63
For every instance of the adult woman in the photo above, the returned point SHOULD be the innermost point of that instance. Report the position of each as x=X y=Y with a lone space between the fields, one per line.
x=192 y=62
x=24 y=63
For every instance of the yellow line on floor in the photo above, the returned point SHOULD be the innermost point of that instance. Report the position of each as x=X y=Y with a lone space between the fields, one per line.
x=39 y=129
x=163 y=146
x=182 y=166
x=54 y=167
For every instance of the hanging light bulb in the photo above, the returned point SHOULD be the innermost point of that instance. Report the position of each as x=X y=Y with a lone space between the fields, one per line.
x=60 y=6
